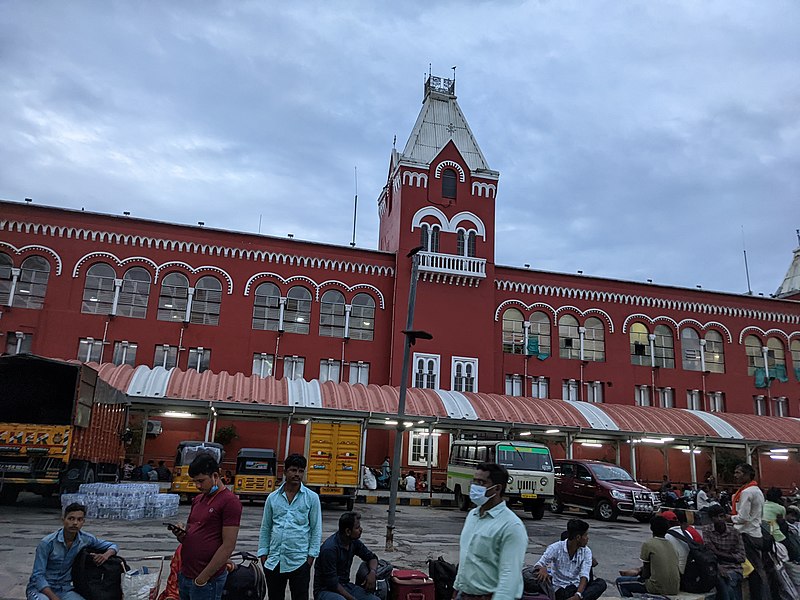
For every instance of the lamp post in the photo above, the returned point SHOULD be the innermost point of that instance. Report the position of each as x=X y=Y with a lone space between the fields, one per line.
x=411 y=338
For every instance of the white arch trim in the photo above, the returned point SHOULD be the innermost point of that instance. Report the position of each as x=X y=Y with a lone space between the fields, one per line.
x=652 y=321
x=448 y=225
x=193 y=270
x=765 y=334
x=316 y=286
x=588 y=313
x=76 y=271
x=707 y=326
x=449 y=163
x=528 y=307
x=35 y=248
x=470 y=217
x=352 y=288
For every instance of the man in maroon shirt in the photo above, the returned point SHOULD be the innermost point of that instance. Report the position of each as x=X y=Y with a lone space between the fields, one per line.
x=210 y=535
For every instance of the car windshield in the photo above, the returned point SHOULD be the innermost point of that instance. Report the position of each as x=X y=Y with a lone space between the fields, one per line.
x=525 y=458
x=610 y=473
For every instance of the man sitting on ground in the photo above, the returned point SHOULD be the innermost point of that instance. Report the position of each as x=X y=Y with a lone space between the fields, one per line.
x=332 y=570
x=52 y=567
x=572 y=563
x=659 y=573
x=726 y=544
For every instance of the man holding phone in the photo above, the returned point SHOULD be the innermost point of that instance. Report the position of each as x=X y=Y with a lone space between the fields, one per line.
x=210 y=535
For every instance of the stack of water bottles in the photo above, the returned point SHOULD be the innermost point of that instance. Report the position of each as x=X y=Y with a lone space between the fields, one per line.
x=123 y=501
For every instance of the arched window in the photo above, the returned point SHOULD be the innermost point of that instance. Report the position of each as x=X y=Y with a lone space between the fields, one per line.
x=796 y=358
x=594 y=341
x=690 y=347
x=664 y=347
x=776 y=359
x=471 y=243
x=173 y=298
x=267 y=307
x=135 y=293
x=755 y=357
x=513 y=332
x=539 y=335
x=461 y=243
x=206 y=301
x=98 y=291
x=32 y=286
x=714 y=352
x=449 y=179
x=331 y=314
x=297 y=315
x=362 y=317
x=6 y=264
x=640 y=345
x=569 y=343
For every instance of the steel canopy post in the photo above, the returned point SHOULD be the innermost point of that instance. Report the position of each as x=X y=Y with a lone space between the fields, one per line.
x=401 y=406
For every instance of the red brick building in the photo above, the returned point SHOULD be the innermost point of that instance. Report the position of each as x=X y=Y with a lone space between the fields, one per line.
x=122 y=290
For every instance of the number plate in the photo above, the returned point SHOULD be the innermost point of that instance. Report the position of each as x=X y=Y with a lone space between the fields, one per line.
x=331 y=491
x=529 y=496
x=15 y=468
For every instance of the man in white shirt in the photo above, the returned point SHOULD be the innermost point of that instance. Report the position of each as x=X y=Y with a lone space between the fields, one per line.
x=572 y=561
x=748 y=503
x=411 y=482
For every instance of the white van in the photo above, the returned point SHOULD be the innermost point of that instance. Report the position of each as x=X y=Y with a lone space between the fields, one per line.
x=530 y=469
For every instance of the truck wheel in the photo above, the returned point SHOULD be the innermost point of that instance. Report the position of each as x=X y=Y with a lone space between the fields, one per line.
x=9 y=494
x=351 y=502
x=604 y=511
x=537 y=510
x=556 y=505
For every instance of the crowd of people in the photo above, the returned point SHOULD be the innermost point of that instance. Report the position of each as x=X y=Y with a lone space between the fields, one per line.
x=750 y=542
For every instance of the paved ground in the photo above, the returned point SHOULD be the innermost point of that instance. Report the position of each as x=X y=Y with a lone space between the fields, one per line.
x=422 y=533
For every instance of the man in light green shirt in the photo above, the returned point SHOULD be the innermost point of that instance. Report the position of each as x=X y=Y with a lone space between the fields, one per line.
x=493 y=541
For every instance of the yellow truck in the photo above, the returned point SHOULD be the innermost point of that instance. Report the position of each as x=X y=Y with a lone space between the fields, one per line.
x=61 y=426
x=334 y=460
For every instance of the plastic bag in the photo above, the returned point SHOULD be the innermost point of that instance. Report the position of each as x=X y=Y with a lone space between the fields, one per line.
x=142 y=584
x=369 y=479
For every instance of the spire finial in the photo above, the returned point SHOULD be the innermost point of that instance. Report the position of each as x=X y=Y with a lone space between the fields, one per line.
x=797 y=231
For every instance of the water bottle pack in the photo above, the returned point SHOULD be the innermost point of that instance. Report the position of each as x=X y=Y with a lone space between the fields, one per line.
x=123 y=501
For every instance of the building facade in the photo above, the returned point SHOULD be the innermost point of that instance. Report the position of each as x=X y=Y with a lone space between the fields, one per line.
x=116 y=289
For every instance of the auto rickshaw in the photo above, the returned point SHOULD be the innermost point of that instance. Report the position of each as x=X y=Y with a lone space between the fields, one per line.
x=187 y=452
x=255 y=473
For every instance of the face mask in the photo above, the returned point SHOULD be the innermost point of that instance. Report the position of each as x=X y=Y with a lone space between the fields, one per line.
x=213 y=490
x=477 y=493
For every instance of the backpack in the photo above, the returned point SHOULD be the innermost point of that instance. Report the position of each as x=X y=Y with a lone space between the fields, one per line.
x=98 y=582
x=700 y=574
x=247 y=580
x=443 y=574
x=382 y=576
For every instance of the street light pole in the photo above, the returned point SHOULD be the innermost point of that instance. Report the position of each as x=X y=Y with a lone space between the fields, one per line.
x=401 y=407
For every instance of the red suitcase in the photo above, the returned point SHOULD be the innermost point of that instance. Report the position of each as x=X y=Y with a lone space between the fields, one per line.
x=411 y=585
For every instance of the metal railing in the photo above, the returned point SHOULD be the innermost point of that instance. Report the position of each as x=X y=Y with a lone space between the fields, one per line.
x=452 y=264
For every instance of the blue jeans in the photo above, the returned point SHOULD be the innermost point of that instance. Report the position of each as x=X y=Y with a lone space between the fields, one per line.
x=628 y=586
x=34 y=594
x=356 y=591
x=212 y=590
x=729 y=587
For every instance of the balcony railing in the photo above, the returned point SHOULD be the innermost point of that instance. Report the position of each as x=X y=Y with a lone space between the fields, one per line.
x=452 y=265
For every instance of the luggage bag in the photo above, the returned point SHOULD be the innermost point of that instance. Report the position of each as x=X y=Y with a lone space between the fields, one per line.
x=411 y=585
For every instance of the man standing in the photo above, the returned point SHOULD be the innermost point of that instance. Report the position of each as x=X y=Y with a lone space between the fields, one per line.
x=726 y=544
x=659 y=571
x=493 y=541
x=332 y=573
x=748 y=504
x=572 y=563
x=291 y=532
x=210 y=535
x=52 y=566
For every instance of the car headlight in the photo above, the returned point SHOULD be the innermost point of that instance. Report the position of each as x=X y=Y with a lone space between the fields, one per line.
x=543 y=481
x=619 y=495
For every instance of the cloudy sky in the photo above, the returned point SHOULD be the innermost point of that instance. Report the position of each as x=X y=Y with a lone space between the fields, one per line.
x=635 y=139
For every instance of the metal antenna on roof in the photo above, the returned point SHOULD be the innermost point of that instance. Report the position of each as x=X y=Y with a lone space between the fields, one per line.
x=394 y=145
x=797 y=231
x=355 y=208
x=746 y=268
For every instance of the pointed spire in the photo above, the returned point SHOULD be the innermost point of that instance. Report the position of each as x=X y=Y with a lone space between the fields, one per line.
x=791 y=283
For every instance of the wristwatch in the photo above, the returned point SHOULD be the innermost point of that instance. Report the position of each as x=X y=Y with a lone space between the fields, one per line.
x=579 y=594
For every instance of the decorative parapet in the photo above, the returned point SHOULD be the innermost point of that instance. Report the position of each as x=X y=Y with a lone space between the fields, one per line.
x=452 y=268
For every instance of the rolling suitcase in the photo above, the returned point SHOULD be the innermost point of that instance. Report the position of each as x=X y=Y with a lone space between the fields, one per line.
x=411 y=585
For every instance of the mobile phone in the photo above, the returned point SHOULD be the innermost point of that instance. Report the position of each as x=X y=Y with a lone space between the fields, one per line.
x=174 y=528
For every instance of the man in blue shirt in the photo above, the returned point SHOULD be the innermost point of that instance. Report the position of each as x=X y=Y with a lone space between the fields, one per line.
x=291 y=532
x=52 y=566
x=332 y=573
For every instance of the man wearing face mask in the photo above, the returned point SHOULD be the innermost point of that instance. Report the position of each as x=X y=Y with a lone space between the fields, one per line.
x=493 y=542
x=210 y=535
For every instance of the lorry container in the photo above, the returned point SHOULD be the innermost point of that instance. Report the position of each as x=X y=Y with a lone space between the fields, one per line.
x=61 y=426
x=334 y=460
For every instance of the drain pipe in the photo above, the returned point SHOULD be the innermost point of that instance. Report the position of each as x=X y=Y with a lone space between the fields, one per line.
x=288 y=433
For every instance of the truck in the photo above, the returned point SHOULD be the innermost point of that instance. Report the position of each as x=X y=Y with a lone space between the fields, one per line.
x=61 y=426
x=187 y=451
x=334 y=460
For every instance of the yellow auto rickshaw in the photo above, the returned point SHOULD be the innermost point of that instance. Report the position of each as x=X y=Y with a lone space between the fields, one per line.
x=187 y=452
x=255 y=473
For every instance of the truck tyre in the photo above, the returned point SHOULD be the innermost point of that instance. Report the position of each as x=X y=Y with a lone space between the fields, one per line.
x=556 y=505
x=537 y=510
x=351 y=502
x=604 y=511
x=9 y=494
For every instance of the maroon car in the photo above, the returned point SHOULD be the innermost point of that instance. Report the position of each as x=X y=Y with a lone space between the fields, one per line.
x=603 y=489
